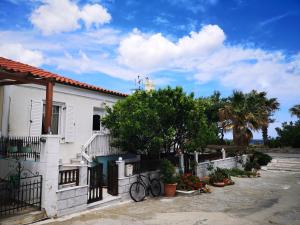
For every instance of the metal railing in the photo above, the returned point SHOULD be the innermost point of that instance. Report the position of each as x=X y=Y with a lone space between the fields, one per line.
x=99 y=145
x=20 y=147
x=20 y=193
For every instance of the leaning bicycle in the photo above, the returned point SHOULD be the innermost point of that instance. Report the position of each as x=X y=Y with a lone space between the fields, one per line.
x=140 y=189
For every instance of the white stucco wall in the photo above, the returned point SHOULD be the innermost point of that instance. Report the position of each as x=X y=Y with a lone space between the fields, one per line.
x=82 y=100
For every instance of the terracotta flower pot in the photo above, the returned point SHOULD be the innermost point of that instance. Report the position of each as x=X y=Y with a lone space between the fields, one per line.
x=219 y=184
x=170 y=190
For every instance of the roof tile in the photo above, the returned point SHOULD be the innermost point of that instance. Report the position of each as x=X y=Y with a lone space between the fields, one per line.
x=14 y=66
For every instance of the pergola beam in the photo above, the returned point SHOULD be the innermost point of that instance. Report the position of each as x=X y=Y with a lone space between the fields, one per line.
x=26 y=78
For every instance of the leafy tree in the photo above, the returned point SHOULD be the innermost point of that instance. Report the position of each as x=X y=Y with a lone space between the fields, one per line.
x=289 y=134
x=295 y=111
x=166 y=119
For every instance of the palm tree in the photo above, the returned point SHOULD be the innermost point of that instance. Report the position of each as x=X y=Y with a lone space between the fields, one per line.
x=242 y=115
x=245 y=113
x=295 y=111
x=270 y=106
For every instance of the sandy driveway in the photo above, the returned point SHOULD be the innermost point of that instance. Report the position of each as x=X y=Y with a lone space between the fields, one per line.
x=272 y=199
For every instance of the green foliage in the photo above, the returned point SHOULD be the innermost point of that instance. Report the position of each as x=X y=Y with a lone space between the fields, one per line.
x=274 y=143
x=167 y=171
x=219 y=175
x=257 y=159
x=289 y=134
x=244 y=113
x=238 y=172
x=147 y=122
x=262 y=158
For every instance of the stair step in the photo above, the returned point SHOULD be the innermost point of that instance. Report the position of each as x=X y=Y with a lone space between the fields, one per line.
x=75 y=161
x=26 y=216
x=284 y=169
x=105 y=202
x=284 y=165
x=78 y=156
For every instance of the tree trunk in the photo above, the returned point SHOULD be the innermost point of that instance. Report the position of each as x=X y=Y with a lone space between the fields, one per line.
x=264 y=130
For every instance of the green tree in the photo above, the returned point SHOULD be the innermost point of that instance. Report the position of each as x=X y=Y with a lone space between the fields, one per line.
x=166 y=119
x=295 y=111
x=289 y=134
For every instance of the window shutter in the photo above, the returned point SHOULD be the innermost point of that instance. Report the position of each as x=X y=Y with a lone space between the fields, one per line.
x=70 y=124
x=35 y=121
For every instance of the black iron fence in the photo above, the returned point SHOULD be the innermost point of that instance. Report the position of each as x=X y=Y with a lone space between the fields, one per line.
x=69 y=177
x=17 y=194
x=20 y=147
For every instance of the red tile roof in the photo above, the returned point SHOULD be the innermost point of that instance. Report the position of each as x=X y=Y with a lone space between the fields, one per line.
x=13 y=66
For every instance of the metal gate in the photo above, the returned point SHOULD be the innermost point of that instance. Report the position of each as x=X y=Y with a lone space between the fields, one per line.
x=95 y=179
x=112 y=178
x=19 y=193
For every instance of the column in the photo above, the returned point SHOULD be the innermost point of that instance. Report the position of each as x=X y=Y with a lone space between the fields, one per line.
x=121 y=167
x=223 y=153
x=181 y=163
x=49 y=167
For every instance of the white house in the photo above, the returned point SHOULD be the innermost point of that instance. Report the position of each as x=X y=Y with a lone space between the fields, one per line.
x=50 y=125
x=76 y=110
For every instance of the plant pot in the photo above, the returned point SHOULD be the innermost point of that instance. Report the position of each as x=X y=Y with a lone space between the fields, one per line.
x=219 y=184
x=170 y=190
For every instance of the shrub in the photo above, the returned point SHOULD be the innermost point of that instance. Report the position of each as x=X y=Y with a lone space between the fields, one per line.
x=190 y=182
x=219 y=175
x=262 y=158
x=167 y=172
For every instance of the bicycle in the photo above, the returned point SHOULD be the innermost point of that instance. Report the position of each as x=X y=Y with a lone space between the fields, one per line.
x=139 y=189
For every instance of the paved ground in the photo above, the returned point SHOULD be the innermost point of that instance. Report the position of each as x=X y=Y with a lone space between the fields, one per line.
x=272 y=199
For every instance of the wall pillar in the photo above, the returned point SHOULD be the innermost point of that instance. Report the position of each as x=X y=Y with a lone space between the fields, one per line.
x=121 y=168
x=223 y=153
x=83 y=175
x=181 y=163
x=5 y=110
x=49 y=164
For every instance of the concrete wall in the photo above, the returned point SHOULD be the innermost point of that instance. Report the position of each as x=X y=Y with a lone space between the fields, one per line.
x=82 y=100
x=70 y=200
x=125 y=183
x=227 y=163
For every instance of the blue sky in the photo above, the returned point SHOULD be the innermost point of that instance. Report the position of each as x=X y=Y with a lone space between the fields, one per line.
x=202 y=45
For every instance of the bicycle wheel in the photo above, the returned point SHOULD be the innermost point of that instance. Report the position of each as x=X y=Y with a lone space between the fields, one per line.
x=137 y=192
x=155 y=187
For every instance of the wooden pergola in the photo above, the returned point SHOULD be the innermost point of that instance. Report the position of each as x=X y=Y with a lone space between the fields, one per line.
x=14 y=78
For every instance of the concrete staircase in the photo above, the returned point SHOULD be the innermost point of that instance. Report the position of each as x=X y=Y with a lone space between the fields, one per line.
x=284 y=162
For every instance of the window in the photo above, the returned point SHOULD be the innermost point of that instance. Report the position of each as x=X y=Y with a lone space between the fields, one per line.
x=55 y=121
x=96 y=123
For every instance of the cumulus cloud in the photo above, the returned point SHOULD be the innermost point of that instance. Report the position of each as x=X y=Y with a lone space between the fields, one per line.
x=150 y=52
x=206 y=55
x=56 y=16
x=18 y=52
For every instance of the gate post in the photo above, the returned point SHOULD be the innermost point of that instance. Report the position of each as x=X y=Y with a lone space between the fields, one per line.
x=181 y=162
x=83 y=173
x=49 y=167
x=121 y=168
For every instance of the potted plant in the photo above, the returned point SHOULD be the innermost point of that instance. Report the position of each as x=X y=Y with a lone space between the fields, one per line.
x=168 y=177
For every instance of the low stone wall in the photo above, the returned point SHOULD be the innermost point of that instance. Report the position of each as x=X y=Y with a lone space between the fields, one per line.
x=70 y=200
x=124 y=183
x=227 y=163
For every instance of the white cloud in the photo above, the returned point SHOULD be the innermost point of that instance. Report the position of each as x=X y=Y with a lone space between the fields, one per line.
x=96 y=14
x=19 y=53
x=207 y=57
x=81 y=63
x=144 y=52
x=56 y=16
